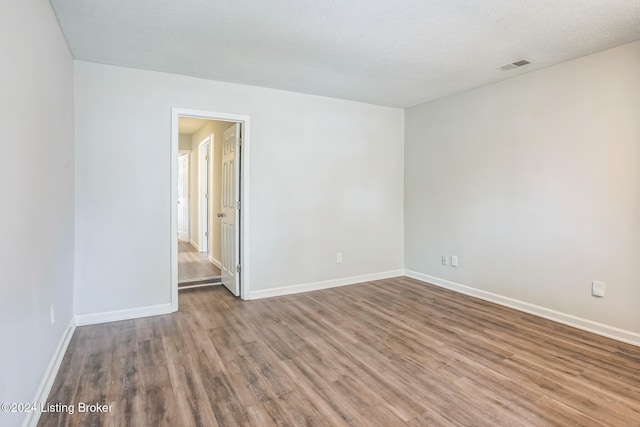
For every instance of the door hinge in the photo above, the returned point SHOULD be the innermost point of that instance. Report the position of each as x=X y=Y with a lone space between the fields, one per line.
x=206 y=234
x=238 y=205
x=240 y=142
x=238 y=268
x=206 y=157
x=206 y=195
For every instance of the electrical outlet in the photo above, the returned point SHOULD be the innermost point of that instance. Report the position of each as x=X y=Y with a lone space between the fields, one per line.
x=339 y=257
x=454 y=260
x=52 y=312
x=598 y=289
x=444 y=260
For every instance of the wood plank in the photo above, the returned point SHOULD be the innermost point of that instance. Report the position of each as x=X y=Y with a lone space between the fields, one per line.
x=391 y=352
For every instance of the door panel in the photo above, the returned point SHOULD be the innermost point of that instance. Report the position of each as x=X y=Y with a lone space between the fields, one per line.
x=229 y=214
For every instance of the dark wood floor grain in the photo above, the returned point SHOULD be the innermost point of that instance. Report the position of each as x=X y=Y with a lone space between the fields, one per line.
x=385 y=353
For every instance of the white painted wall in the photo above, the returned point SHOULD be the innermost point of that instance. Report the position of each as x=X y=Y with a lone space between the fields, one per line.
x=326 y=176
x=194 y=199
x=206 y=130
x=36 y=219
x=534 y=183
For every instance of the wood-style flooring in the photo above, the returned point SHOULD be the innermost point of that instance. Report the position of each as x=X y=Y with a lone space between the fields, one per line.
x=385 y=353
x=194 y=267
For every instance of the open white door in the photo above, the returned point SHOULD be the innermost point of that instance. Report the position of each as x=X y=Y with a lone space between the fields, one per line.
x=230 y=204
x=183 y=197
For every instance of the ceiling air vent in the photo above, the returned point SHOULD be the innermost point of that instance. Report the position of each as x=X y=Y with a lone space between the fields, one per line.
x=513 y=65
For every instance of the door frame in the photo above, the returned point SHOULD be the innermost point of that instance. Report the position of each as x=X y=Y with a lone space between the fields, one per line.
x=245 y=123
x=204 y=213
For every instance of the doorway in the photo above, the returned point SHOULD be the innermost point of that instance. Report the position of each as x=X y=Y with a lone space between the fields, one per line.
x=218 y=207
x=195 y=168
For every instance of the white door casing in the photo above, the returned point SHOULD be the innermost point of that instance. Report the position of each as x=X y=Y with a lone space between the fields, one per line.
x=230 y=206
x=183 y=197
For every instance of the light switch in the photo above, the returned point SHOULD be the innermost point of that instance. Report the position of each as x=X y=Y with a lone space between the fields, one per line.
x=598 y=289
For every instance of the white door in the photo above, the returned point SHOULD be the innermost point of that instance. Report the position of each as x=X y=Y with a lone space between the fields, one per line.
x=230 y=204
x=203 y=166
x=183 y=197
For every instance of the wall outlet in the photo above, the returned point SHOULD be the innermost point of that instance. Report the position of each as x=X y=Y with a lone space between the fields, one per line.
x=454 y=260
x=339 y=257
x=52 y=312
x=598 y=289
x=444 y=260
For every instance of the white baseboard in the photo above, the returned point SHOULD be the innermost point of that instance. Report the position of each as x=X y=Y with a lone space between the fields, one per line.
x=130 y=313
x=215 y=262
x=557 y=316
x=325 y=284
x=195 y=245
x=42 y=393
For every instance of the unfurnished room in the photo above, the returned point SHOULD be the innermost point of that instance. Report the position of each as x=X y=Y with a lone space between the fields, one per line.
x=288 y=213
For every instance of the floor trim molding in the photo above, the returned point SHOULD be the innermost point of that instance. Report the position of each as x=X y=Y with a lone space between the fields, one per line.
x=199 y=281
x=42 y=393
x=618 y=334
x=127 y=314
x=325 y=284
x=201 y=285
x=215 y=262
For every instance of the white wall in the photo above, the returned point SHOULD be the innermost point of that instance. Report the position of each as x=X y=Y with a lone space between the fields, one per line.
x=206 y=130
x=36 y=219
x=194 y=199
x=326 y=176
x=534 y=183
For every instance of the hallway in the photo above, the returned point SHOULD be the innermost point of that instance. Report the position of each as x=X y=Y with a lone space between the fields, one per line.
x=194 y=267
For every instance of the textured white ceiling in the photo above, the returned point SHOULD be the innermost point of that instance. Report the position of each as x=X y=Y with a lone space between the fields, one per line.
x=397 y=53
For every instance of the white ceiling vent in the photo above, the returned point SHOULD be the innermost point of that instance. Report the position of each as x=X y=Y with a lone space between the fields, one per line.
x=513 y=65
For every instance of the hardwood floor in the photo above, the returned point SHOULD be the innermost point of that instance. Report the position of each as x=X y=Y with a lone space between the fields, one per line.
x=194 y=267
x=385 y=353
